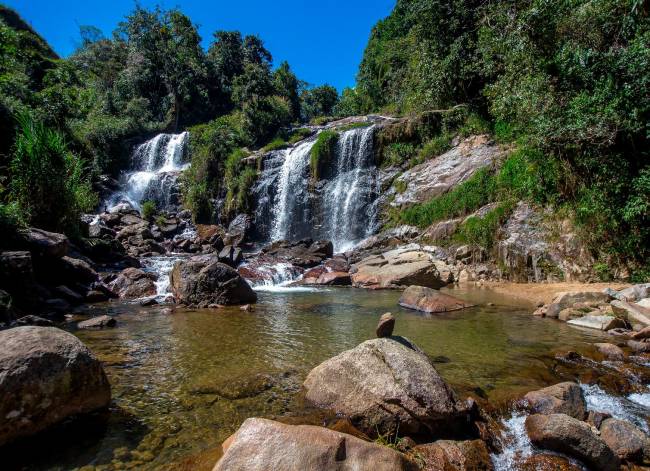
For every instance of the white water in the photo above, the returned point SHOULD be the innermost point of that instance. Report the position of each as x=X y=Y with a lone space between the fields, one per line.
x=516 y=444
x=162 y=267
x=341 y=207
x=633 y=408
x=155 y=168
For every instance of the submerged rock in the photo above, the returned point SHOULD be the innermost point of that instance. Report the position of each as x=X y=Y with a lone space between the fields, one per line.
x=563 y=398
x=202 y=281
x=548 y=462
x=563 y=434
x=430 y=300
x=98 y=322
x=386 y=325
x=385 y=383
x=262 y=444
x=46 y=375
x=610 y=351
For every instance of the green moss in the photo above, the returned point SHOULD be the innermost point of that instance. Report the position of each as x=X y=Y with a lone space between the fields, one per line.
x=400 y=186
x=348 y=127
x=299 y=134
x=322 y=152
x=275 y=144
x=436 y=146
x=397 y=153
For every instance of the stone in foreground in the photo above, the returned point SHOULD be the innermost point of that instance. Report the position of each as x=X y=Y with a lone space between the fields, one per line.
x=562 y=398
x=46 y=375
x=386 y=325
x=430 y=300
x=261 y=445
x=563 y=434
x=203 y=280
x=447 y=455
x=627 y=440
x=385 y=382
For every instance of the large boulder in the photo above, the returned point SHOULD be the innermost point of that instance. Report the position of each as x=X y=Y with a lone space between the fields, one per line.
x=133 y=283
x=563 y=398
x=45 y=244
x=563 y=434
x=447 y=455
x=425 y=299
x=261 y=445
x=633 y=293
x=46 y=375
x=238 y=230
x=385 y=383
x=409 y=265
x=634 y=313
x=203 y=280
x=627 y=440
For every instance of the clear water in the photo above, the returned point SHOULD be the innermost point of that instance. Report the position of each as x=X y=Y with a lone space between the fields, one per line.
x=178 y=378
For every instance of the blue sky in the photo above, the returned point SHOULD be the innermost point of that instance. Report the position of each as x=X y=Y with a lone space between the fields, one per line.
x=322 y=40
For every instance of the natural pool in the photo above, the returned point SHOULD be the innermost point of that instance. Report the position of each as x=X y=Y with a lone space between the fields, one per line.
x=183 y=382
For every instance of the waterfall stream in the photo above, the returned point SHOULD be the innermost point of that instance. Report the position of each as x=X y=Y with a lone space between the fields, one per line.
x=156 y=165
x=341 y=207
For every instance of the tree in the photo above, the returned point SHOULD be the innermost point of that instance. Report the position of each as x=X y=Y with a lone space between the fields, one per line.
x=318 y=101
x=286 y=85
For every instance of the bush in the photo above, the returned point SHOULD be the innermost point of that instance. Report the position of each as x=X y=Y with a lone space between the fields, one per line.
x=238 y=180
x=299 y=134
x=48 y=182
x=482 y=231
x=322 y=152
x=397 y=153
x=435 y=147
x=275 y=144
x=148 y=210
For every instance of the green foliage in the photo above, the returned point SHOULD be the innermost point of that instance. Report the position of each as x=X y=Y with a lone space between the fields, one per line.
x=148 y=210
x=400 y=186
x=436 y=146
x=398 y=153
x=275 y=144
x=349 y=126
x=318 y=101
x=603 y=271
x=299 y=134
x=238 y=179
x=48 y=182
x=322 y=152
x=482 y=231
x=11 y=218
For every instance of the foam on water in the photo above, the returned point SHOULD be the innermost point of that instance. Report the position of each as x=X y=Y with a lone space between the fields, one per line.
x=633 y=408
x=515 y=442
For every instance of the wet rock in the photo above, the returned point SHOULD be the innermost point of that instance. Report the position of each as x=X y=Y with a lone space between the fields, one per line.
x=639 y=346
x=45 y=244
x=69 y=295
x=610 y=351
x=334 y=278
x=97 y=230
x=238 y=230
x=385 y=382
x=140 y=230
x=338 y=263
x=34 y=320
x=76 y=270
x=46 y=376
x=626 y=440
x=386 y=325
x=409 y=265
x=261 y=445
x=546 y=462
x=96 y=296
x=570 y=313
x=133 y=283
x=148 y=302
x=563 y=398
x=447 y=455
x=243 y=387
x=304 y=253
x=563 y=434
x=598 y=322
x=202 y=280
x=634 y=313
x=98 y=322
x=310 y=277
x=642 y=334
x=430 y=300
x=596 y=418
x=231 y=256
x=57 y=305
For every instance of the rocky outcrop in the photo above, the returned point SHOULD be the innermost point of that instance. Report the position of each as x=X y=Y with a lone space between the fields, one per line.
x=261 y=445
x=133 y=283
x=408 y=265
x=563 y=398
x=598 y=322
x=430 y=300
x=563 y=434
x=203 y=280
x=447 y=455
x=385 y=383
x=46 y=375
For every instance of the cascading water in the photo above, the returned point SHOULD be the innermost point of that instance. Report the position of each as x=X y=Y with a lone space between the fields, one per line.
x=156 y=165
x=342 y=207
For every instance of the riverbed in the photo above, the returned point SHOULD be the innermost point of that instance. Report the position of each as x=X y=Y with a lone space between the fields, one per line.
x=184 y=381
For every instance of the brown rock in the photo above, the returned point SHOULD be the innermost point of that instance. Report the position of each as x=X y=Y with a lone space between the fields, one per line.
x=334 y=278
x=642 y=334
x=563 y=434
x=447 y=455
x=98 y=322
x=627 y=440
x=610 y=351
x=545 y=462
x=561 y=398
x=639 y=347
x=430 y=300
x=45 y=244
x=133 y=283
x=263 y=445
x=596 y=418
x=634 y=313
x=386 y=325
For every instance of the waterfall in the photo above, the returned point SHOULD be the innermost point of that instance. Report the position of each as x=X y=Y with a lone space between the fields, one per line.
x=155 y=167
x=342 y=207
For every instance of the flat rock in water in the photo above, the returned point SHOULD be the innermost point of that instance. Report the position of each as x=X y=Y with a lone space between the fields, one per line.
x=425 y=299
x=598 y=322
x=262 y=445
x=98 y=322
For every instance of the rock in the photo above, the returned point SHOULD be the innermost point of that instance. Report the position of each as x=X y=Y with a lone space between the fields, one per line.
x=238 y=230
x=546 y=462
x=304 y=253
x=570 y=313
x=57 y=305
x=96 y=296
x=563 y=434
x=98 y=230
x=626 y=440
x=634 y=313
x=231 y=256
x=338 y=263
x=46 y=376
x=146 y=302
x=247 y=307
x=562 y=398
x=644 y=303
x=133 y=283
x=34 y=320
x=6 y=308
x=567 y=299
x=262 y=445
x=441 y=230
x=130 y=219
x=386 y=325
x=76 y=270
x=202 y=280
x=141 y=230
x=447 y=455
x=385 y=382
x=404 y=266
x=639 y=347
x=634 y=293
x=598 y=322
x=68 y=294
x=334 y=278
x=45 y=244
x=642 y=334
x=610 y=351
x=596 y=418
x=430 y=300
x=98 y=322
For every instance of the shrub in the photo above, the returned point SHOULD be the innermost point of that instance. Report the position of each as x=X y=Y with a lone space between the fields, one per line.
x=322 y=152
x=482 y=231
x=275 y=144
x=299 y=134
x=48 y=182
x=397 y=153
x=148 y=210
x=435 y=147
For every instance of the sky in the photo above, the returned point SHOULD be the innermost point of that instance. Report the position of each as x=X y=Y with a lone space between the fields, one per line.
x=322 y=40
